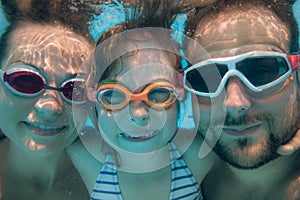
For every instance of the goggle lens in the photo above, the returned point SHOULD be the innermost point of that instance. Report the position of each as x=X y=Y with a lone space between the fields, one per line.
x=112 y=97
x=160 y=95
x=199 y=77
x=25 y=82
x=115 y=96
x=260 y=71
x=74 y=91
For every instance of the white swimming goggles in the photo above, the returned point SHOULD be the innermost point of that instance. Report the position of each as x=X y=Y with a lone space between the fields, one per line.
x=259 y=70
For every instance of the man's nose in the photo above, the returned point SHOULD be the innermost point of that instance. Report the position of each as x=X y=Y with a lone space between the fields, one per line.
x=236 y=101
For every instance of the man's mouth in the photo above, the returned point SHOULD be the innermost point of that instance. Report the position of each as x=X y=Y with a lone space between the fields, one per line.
x=45 y=130
x=140 y=138
x=241 y=130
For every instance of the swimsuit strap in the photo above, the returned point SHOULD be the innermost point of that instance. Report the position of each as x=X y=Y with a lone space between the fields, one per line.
x=184 y=186
x=107 y=184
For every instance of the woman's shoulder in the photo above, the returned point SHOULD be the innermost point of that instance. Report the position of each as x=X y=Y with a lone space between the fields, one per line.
x=87 y=166
x=2 y=136
x=4 y=144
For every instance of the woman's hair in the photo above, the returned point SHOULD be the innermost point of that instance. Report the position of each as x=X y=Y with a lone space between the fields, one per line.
x=74 y=14
x=282 y=8
x=70 y=15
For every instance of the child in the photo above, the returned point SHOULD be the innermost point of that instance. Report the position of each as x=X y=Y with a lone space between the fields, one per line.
x=143 y=116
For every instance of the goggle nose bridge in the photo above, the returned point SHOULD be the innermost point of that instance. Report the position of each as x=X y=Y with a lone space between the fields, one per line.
x=236 y=73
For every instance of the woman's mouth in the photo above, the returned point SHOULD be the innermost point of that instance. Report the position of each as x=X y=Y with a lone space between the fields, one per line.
x=45 y=130
x=140 y=138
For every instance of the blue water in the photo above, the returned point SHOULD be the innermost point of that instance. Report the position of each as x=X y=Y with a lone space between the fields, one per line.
x=297 y=14
x=114 y=14
x=3 y=22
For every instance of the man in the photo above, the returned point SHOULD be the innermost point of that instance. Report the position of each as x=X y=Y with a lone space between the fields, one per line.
x=253 y=89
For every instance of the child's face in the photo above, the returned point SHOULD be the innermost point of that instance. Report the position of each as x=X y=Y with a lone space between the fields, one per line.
x=138 y=127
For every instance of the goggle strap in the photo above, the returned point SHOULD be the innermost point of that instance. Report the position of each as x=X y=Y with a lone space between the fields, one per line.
x=53 y=88
x=180 y=79
x=294 y=60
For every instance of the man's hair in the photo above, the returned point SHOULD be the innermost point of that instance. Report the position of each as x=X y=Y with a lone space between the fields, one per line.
x=282 y=8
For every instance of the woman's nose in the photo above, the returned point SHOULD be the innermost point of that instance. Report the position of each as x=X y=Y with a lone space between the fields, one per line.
x=50 y=103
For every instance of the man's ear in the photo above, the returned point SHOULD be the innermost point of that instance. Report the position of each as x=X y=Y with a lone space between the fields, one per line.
x=298 y=76
x=297 y=81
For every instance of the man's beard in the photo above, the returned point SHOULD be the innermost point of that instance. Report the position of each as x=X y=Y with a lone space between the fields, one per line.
x=245 y=152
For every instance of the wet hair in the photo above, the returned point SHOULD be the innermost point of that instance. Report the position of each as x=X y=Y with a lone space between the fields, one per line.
x=104 y=64
x=282 y=8
x=140 y=17
x=74 y=14
x=71 y=15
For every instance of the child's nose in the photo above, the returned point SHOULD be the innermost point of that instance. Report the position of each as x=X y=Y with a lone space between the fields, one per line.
x=139 y=113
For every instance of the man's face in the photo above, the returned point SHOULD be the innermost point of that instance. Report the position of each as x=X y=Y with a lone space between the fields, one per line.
x=248 y=126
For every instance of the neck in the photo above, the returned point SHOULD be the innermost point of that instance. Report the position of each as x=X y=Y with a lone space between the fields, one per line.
x=267 y=174
x=151 y=161
x=144 y=162
x=34 y=164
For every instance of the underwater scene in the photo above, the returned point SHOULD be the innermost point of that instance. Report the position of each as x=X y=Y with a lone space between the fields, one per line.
x=149 y=99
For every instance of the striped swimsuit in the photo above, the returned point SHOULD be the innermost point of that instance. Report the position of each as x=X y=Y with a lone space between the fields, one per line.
x=184 y=185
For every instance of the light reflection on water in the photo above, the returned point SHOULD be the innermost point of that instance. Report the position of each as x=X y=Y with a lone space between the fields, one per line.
x=296 y=9
x=114 y=13
x=3 y=22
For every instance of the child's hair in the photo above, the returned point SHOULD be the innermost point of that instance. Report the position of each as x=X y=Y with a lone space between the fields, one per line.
x=108 y=58
x=144 y=15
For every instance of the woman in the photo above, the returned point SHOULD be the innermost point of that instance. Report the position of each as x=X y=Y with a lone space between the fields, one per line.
x=39 y=62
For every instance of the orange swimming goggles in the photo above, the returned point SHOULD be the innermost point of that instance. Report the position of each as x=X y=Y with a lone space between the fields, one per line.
x=158 y=95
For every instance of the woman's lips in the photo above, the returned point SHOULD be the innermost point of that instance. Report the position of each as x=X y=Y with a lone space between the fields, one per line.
x=241 y=130
x=141 y=138
x=45 y=130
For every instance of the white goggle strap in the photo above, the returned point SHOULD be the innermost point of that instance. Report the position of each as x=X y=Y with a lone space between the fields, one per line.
x=186 y=119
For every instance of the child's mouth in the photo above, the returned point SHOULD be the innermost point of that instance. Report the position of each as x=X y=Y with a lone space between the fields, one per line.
x=139 y=138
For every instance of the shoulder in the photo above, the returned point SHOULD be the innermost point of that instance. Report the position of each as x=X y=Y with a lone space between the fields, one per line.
x=198 y=166
x=2 y=136
x=4 y=144
x=85 y=163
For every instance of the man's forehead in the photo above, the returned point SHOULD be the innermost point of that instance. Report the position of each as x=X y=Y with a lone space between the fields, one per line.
x=233 y=28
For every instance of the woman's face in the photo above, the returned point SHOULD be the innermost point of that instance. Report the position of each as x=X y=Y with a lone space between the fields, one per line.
x=138 y=127
x=41 y=123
